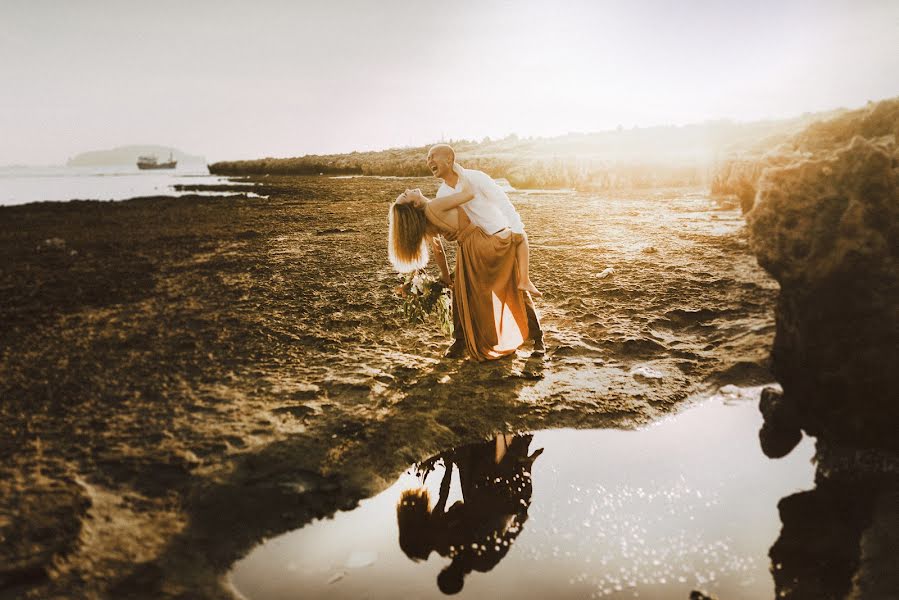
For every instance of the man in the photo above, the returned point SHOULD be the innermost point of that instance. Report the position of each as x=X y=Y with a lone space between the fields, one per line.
x=490 y=209
x=492 y=212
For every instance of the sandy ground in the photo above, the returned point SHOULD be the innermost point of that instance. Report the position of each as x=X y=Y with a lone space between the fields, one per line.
x=183 y=377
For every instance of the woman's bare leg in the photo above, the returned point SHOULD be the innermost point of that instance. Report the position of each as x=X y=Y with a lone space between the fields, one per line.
x=524 y=279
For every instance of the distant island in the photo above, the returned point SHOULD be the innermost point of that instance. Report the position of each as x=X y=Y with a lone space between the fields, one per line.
x=614 y=159
x=128 y=155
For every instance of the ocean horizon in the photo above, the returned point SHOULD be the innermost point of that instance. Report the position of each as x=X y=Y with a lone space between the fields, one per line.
x=21 y=184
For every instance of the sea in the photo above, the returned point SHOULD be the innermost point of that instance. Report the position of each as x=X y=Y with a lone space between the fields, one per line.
x=23 y=184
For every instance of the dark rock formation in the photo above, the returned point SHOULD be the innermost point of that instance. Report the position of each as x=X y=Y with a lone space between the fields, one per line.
x=818 y=549
x=781 y=430
x=826 y=226
x=828 y=230
x=839 y=539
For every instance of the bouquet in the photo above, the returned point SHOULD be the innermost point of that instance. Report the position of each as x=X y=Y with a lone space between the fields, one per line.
x=424 y=296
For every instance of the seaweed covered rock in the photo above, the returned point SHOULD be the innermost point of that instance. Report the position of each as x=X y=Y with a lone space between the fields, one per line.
x=827 y=228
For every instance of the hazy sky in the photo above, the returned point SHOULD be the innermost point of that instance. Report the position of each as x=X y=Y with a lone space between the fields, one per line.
x=236 y=80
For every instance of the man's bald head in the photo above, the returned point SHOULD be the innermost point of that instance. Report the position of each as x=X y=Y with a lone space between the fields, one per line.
x=443 y=150
x=440 y=160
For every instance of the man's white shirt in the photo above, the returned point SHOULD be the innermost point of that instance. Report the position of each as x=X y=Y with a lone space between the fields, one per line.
x=490 y=209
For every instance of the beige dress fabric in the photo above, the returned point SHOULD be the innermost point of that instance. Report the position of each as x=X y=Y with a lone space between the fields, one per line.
x=487 y=303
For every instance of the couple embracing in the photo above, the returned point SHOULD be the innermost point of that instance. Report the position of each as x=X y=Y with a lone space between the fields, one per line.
x=493 y=309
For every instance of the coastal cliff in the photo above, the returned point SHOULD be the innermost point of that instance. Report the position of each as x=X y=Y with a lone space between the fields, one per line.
x=824 y=222
x=826 y=227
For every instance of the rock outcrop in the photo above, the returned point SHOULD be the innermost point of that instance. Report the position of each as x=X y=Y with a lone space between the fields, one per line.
x=825 y=223
x=739 y=175
x=827 y=229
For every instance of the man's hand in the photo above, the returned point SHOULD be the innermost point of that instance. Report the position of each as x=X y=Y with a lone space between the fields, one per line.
x=447 y=281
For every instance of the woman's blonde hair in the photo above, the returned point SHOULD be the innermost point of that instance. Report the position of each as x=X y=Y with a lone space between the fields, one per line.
x=407 y=237
x=413 y=514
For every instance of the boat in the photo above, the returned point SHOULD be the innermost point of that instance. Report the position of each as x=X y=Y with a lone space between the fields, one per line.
x=151 y=162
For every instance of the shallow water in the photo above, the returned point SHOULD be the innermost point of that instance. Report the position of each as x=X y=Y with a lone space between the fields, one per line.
x=19 y=185
x=689 y=502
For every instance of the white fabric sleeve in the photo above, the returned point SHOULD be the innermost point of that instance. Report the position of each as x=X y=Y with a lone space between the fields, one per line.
x=500 y=199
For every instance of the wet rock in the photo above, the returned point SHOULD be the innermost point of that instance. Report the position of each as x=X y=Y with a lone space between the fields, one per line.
x=780 y=432
x=826 y=229
x=777 y=442
x=646 y=373
x=776 y=411
x=878 y=573
x=817 y=552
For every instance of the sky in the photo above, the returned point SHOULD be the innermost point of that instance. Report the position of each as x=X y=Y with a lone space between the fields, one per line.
x=233 y=80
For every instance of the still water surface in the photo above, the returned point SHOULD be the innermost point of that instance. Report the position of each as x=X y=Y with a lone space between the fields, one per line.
x=19 y=185
x=687 y=503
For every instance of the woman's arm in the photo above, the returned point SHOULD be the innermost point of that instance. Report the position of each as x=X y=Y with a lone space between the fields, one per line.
x=444 y=486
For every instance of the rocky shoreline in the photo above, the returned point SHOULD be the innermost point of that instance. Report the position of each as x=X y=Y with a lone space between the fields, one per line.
x=183 y=377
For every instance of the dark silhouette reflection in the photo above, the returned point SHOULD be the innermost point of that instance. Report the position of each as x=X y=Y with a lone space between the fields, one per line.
x=837 y=540
x=477 y=531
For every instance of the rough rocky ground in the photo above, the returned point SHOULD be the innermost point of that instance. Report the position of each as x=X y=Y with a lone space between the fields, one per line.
x=182 y=377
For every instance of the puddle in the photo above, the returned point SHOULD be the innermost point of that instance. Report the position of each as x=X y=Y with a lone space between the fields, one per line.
x=687 y=503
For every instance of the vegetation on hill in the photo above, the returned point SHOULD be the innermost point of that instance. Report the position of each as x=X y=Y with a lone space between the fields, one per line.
x=621 y=158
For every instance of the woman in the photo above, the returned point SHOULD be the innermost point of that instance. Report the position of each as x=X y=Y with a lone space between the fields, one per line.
x=490 y=314
x=477 y=532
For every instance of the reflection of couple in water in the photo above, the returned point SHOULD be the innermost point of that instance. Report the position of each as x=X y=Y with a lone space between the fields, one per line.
x=493 y=312
x=477 y=531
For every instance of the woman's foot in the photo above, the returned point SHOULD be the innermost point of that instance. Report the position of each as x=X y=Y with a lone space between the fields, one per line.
x=527 y=286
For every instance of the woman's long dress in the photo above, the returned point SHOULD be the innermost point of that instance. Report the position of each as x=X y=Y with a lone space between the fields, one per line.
x=487 y=304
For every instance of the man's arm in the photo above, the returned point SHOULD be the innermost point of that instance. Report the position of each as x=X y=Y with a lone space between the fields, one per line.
x=453 y=200
x=442 y=203
x=440 y=257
